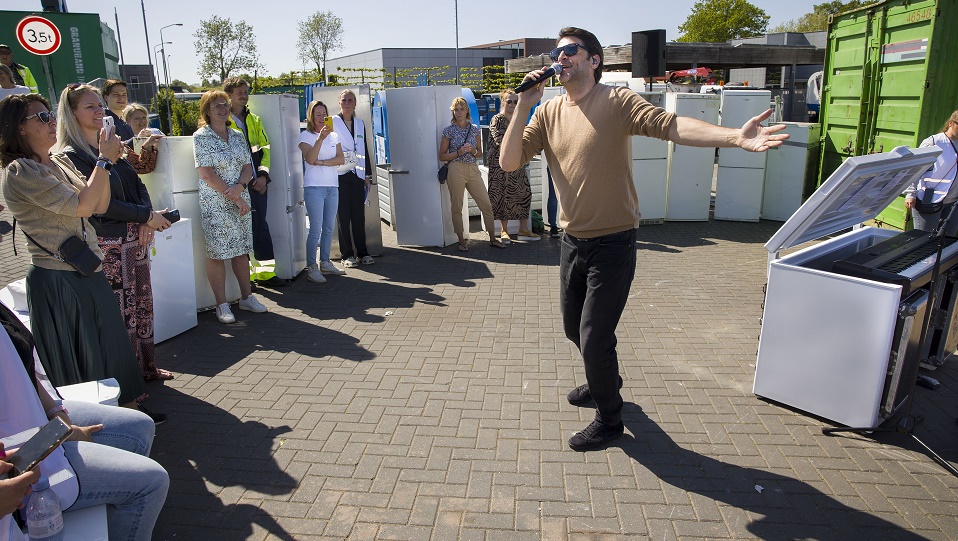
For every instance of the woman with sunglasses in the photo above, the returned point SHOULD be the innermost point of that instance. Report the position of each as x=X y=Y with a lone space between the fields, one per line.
x=460 y=146
x=125 y=231
x=933 y=196
x=225 y=170
x=509 y=193
x=79 y=332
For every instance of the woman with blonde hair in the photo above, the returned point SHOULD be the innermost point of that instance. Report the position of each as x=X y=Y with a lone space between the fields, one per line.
x=934 y=195
x=125 y=231
x=354 y=182
x=509 y=193
x=460 y=145
x=322 y=153
x=225 y=170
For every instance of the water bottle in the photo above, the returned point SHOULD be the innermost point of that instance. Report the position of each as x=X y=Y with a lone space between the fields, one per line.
x=44 y=518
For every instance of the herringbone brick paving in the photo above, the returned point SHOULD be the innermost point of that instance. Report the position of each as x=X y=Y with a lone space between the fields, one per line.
x=424 y=398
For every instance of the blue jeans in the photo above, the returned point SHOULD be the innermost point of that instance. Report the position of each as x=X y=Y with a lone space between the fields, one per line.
x=322 y=202
x=595 y=276
x=116 y=470
x=929 y=221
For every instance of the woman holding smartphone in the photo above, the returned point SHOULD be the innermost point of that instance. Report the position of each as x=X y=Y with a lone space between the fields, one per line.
x=322 y=152
x=79 y=332
x=105 y=459
x=125 y=231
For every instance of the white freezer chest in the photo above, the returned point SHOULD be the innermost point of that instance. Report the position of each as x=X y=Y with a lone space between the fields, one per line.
x=826 y=338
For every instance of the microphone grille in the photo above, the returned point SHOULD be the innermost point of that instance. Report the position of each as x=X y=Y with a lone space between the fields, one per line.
x=557 y=67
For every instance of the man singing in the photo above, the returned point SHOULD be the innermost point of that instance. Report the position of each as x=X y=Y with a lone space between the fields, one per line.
x=585 y=135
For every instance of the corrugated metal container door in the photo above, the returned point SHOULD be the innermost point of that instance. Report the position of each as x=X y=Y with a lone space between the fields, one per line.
x=890 y=80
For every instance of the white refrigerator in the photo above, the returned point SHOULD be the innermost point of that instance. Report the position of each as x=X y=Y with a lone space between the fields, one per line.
x=690 y=168
x=419 y=204
x=174 y=298
x=286 y=213
x=828 y=339
x=789 y=169
x=650 y=169
x=741 y=174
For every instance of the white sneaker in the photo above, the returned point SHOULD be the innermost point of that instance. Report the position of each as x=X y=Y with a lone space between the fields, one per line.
x=224 y=314
x=351 y=263
x=252 y=304
x=313 y=274
x=367 y=260
x=327 y=267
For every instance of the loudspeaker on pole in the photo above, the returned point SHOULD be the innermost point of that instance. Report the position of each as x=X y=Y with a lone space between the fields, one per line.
x=648 y=53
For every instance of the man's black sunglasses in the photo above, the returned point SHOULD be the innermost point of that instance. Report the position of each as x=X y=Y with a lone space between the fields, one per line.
x=570 y=49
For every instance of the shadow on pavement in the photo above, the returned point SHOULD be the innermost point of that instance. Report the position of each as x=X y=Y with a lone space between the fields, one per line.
x=787 y=508
x=209 y=454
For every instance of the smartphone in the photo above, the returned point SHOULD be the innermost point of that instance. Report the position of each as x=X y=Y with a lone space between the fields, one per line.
x=172 y=216
x=38 y=447
x=108 y=125
x=328 y=122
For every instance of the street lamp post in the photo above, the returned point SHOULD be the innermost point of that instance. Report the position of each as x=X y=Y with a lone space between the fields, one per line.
x=166 y=73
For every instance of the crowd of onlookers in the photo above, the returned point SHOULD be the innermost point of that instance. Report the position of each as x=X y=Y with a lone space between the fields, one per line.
x=74 y=188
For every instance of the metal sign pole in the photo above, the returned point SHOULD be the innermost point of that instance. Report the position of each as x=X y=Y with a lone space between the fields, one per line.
x=50 y=87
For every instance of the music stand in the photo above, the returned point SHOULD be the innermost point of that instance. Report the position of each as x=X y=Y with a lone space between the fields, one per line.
x=906 y=424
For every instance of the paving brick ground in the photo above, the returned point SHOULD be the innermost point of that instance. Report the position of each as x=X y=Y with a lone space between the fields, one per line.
x=424 y=398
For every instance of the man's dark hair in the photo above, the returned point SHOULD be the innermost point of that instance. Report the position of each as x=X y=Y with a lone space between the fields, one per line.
x=592 y=45
x=13 y=111
x=232 y=83
x=109 y=84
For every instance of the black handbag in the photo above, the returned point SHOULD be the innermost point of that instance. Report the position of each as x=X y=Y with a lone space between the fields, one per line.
x=443 y=173
x=75 y=252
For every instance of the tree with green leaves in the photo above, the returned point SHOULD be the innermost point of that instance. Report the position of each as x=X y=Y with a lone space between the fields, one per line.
x=225 y=48
x=817 y=20
x=319 y=34
x=716 y=21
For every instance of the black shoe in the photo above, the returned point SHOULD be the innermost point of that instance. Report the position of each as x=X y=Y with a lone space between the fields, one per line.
x=158 y=418
x=595 y=435
x=554 y=232
x=580 y=396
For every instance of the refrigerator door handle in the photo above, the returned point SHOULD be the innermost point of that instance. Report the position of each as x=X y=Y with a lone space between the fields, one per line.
x=396 y=172
x=294 y=207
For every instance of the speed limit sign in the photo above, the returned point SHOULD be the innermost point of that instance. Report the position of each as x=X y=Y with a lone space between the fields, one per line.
x=38 y=35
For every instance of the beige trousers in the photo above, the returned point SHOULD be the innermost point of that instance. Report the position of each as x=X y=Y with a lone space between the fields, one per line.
x=462 y=177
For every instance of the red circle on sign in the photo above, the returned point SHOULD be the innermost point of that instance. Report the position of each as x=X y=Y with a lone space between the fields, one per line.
x=38 y=35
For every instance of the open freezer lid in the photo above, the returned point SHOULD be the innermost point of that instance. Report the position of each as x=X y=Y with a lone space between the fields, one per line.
x=857 y=191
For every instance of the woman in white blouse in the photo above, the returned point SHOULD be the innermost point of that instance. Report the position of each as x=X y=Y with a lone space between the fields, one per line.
x=322 y=153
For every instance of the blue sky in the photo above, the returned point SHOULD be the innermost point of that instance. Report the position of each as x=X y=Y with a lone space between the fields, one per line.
x=386 y=23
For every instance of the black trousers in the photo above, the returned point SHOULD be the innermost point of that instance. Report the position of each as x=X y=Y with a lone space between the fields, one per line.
x=352 y=216
x=595 y=278
x=262 y=241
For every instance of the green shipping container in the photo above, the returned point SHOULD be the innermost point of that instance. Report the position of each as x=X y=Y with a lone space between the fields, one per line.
x=890 y=80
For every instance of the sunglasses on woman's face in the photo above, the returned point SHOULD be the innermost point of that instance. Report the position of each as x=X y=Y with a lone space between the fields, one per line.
x=44 y=116
x=570 y=50
x=512 y=102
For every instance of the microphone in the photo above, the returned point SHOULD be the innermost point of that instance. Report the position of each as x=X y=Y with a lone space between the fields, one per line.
x=554 y=69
